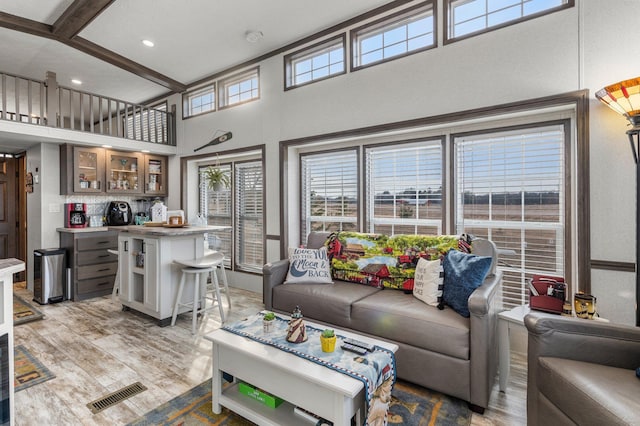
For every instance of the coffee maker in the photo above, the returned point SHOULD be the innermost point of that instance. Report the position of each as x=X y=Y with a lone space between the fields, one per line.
x=75 y=215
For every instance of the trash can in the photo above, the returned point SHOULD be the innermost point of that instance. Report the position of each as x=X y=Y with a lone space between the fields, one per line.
x=49 y=275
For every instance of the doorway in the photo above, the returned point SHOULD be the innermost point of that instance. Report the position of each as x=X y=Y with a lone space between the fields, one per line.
x=13 y=209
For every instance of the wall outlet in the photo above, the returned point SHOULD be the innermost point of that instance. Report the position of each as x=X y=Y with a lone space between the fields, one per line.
x=54 y=208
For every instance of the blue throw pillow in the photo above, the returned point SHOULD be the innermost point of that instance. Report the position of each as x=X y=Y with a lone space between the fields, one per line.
x=463 y=273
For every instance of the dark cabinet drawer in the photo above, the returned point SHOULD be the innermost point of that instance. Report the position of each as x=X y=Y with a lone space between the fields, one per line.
x=102 y=284
x=95 y=256
x=94 y=271
x=98 y=242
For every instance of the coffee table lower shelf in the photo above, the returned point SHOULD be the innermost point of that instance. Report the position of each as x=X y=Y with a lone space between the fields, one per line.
x=256 y=411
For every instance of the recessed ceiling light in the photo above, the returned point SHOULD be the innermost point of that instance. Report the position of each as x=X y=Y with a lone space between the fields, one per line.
x=148 y=43
x=253 y=36
x=107 y=146
x=76 y=81
x=144 y=150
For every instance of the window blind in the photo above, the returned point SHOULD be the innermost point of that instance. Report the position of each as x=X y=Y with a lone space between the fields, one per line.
x=511 y=189
x=249 y=226
x=216 y=208
x=329 y=192
x=404 y=188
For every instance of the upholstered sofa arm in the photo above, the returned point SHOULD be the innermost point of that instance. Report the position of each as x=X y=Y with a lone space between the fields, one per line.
x=273 y=274
x=484 y=305
x=583 y=340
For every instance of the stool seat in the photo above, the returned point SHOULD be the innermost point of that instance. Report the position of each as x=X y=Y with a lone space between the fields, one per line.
x=208 y=265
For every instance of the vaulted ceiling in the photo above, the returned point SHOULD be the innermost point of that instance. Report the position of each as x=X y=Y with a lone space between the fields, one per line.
x=100 y=41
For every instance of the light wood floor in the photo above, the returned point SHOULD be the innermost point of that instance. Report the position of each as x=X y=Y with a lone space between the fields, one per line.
x=94 y=348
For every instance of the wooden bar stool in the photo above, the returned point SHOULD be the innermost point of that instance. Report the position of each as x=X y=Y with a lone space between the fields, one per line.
x=200 y=269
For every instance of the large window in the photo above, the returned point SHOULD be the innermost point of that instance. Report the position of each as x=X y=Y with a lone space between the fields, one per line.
x=240 y=208
x=404 y=188
x=509 y=185
x=329 y=191
x=240 y=88
x=318 y=62
x=511 y=189
x=467 y=17
x=393 y=37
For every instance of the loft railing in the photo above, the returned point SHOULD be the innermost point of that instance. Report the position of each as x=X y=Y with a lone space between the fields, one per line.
x=47 y=104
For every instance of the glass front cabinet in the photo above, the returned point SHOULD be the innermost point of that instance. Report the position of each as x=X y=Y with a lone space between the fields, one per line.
x=124 y=172
x=155 y=176
x=81 y=170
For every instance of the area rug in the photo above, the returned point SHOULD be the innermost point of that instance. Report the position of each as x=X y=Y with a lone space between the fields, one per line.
x=24 y=312
x=410 y=406
x=29 y=371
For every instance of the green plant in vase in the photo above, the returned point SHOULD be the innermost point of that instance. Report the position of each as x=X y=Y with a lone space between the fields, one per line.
x=216 y=178
x=328 y=340
x=267 y=322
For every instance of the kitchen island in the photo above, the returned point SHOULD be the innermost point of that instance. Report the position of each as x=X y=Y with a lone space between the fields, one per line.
x=148 y=276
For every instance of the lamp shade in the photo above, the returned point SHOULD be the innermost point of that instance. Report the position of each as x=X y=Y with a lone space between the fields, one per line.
x=624 y=98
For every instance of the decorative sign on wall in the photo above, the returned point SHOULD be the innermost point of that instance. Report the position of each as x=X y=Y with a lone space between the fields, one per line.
x=222 y=138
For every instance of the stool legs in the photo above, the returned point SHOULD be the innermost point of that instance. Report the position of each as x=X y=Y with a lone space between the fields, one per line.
x=225 y=283
x=176 y=305
x=200 y=294
x=216 y=289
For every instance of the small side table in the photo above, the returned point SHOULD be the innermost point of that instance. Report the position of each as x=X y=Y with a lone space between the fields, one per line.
x=506 y=320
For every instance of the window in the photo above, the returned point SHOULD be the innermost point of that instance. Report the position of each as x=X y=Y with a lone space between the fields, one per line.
x=199 y=101
x=329 y=191
x=511 y=188
x=404 y=188
x=249 y=226
x=147 y=124
x=240 y=88
x=319 y=62
x=241 y=209
x=467 y=17
x=396 y=36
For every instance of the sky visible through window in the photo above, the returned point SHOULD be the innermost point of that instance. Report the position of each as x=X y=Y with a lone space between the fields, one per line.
x=469 y=16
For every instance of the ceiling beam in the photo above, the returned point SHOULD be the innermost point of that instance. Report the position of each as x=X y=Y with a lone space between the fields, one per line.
x=113 y=58
x=77 y=16
x=39 y=29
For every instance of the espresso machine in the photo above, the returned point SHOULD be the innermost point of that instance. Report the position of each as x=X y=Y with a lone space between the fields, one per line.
x=75 y=215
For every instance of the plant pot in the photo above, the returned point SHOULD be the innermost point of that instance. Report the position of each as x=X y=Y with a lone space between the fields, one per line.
x=267 y=326
x=328 y=343
x=217 y=187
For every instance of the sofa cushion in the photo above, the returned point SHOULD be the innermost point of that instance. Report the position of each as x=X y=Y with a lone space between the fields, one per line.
x=324 y=302
x=308 y=266
x=590 y=393
x=403 y=318
x=428 y=282
x=463 y=273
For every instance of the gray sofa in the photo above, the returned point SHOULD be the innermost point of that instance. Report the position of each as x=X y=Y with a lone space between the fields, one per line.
x=582 y=372
x=438 y=349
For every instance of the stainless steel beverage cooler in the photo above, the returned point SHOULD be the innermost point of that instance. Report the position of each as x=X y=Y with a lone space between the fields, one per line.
x=49 y=275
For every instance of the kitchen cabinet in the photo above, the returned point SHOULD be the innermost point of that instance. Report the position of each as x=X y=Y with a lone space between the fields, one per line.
x=155 y=175
x=89 y=170
x=139 y=271
x=93 y=269
x=124 y=172
x=81 y=170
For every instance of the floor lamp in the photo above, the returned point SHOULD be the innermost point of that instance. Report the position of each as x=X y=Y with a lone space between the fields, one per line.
x=624 y=98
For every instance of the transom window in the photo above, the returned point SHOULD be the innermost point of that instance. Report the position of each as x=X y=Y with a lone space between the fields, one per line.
x=398 y=35
x=199 y=101
x=466 y=17
x=321 y=61
x=240 y=88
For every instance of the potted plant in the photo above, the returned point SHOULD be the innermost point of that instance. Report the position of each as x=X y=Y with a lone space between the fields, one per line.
x=328 y=340
x=216 y=179
x=267 y=322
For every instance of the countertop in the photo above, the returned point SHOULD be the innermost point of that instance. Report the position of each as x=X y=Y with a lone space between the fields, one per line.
x=11 y=266
x=84 y=230
x=167 y=232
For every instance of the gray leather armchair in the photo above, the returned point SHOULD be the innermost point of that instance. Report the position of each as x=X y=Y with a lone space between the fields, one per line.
x=582 y=372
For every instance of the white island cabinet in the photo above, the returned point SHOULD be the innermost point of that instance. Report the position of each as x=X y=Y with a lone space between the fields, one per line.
x=149 y=277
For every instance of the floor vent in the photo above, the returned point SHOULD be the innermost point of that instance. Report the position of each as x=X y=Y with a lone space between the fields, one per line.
x=116 y=397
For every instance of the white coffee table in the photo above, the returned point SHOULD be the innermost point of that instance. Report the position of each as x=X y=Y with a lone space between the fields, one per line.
x=327 y=393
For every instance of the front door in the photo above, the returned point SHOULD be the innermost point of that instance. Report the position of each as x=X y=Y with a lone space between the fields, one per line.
x=8 y=206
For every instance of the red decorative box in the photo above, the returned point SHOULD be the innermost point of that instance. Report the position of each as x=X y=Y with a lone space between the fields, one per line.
x=550 y=293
